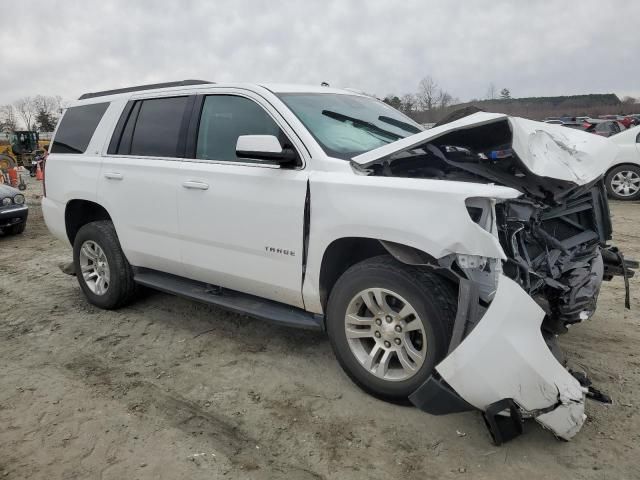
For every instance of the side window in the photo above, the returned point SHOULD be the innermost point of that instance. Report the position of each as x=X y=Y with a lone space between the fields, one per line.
x=152 y=128
x=638 y=138
x=158 y=127
x=224 y=118
x=77 y=127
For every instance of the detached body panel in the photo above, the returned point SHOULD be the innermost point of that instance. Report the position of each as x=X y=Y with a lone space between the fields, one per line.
x=505 y=356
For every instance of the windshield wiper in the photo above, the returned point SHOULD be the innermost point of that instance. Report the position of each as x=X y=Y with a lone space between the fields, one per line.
x=361 y=123
x=407 y=127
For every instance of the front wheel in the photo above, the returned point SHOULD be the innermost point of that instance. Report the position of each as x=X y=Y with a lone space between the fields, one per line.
x=390 y=324
x=103 y=272
x=623 y=182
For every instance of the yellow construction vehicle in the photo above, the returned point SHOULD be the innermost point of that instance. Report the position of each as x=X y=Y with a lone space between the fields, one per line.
x=23 y=147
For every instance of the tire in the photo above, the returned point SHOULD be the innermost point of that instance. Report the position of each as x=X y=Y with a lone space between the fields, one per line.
x=120 y=287
x=623 y=182
x=434 y=303
x=16 y=229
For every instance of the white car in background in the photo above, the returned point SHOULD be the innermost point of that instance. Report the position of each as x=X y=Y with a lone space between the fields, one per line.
x=623 y=177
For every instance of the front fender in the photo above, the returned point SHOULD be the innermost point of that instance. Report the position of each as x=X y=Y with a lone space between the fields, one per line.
x=428 y=215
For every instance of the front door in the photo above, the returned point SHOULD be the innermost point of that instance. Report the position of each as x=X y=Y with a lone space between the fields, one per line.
x=241 y=220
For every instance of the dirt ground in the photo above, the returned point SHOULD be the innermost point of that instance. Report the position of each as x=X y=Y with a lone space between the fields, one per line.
x=168 y=388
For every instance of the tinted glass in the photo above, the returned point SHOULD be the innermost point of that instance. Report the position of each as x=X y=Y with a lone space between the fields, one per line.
x=158 y=127
x=224 y=118
x=77 y=127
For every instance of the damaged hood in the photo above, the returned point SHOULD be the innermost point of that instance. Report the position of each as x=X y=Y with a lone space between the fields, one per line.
x=546 y=150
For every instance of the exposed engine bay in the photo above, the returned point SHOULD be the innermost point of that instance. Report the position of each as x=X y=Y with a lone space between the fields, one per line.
x=555 y=236
x=503 y=358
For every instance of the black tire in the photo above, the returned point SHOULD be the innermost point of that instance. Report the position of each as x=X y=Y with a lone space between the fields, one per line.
x=122 y=288
x=433 y=297
x=16 y=229
x=634 y=169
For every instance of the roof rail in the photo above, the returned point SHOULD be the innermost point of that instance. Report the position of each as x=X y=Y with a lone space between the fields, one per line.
x=181 y=83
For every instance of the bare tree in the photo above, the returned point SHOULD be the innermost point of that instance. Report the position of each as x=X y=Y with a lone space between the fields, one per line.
x=8 y=120
x=27 y=109
x=48 y=104
x=48 y=110
x=505 y=94
x=408 y=103
x=444 y=99
x=428 y=93
x=491 y=91
x=627 y=100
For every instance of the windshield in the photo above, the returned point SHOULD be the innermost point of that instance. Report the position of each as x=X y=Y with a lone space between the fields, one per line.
x=348 y=125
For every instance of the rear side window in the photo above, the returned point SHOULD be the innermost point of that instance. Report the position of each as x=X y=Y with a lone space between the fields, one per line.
x=158 y=127
x=77 y=127
x=224 y=118
x=153 y=128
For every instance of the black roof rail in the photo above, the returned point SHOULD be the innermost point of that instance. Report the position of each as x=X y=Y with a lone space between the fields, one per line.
x=181 y=83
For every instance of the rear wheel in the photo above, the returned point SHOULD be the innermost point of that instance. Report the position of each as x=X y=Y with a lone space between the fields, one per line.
x=103 y=272
x=623 y=182
x=389 y=325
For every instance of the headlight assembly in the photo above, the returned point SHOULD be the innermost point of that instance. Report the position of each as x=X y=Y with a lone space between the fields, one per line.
x=6 y=201
x=18 y=199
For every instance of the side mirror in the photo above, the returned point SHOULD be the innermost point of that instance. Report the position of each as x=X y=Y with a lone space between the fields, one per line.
x=264 y=147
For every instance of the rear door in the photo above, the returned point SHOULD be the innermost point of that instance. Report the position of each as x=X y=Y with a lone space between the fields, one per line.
x=241 y=220
x=137 y=184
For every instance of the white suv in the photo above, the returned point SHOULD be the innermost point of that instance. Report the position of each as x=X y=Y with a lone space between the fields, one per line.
x=441 y=263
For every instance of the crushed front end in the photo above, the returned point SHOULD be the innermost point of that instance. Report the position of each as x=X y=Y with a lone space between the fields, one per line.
x=503 y=357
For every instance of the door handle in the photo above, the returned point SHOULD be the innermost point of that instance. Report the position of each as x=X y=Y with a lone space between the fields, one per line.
x=195 y=185
x=113 y=176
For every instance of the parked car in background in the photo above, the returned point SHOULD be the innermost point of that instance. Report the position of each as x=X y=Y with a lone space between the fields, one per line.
x=13 y=210
x=604 y=128
x=629 y=121
x=623 y=177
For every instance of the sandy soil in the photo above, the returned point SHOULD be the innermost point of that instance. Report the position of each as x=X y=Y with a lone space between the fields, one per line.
x=172 y=389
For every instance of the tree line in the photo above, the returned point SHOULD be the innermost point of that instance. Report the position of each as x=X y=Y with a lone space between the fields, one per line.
x=432 y=98
x=431 y=102
x=39 y=113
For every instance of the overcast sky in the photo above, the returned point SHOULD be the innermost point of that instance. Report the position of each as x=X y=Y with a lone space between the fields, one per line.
x=535 y=48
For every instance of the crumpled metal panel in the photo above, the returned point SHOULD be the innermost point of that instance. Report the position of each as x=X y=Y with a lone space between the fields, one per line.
x=505 y=356
x=547 y=150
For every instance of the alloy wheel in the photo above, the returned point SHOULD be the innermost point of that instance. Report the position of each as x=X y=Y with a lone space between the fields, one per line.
x=385 y=334
x=94 y=267
x=625 y=183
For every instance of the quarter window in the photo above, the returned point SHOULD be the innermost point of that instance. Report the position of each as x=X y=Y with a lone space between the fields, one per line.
x=224 y=118
x=77 y=127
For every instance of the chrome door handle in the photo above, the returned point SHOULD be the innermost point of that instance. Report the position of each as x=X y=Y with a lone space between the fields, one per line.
x=195 y=185
x=113 y=176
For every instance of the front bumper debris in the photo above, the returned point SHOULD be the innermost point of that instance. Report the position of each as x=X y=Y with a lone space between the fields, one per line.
x=506 y=359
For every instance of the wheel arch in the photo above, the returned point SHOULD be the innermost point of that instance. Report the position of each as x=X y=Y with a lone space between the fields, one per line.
x=345 y=252
x=622 y=164
x=79 y=212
